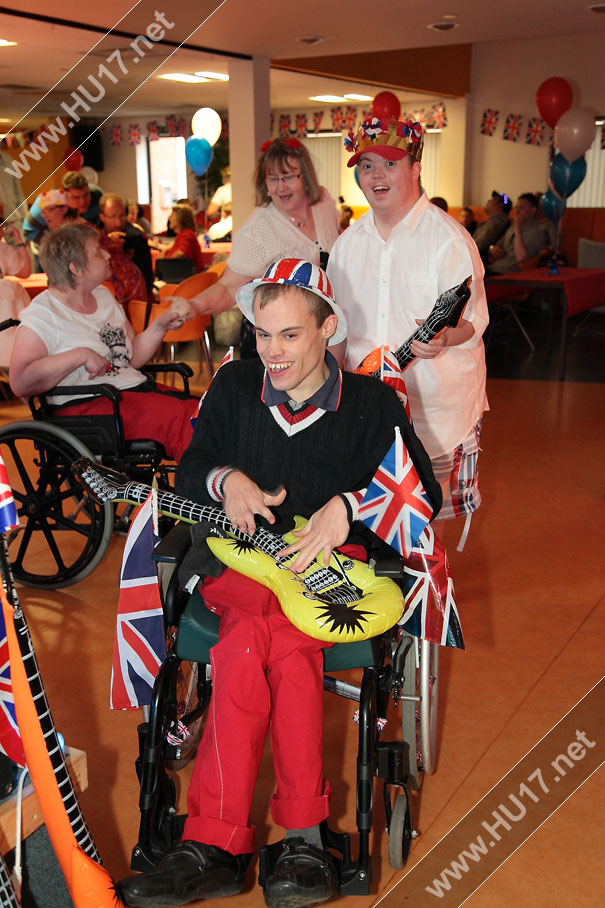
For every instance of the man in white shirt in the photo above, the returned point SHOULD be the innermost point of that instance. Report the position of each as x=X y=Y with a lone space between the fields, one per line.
x=388 y=269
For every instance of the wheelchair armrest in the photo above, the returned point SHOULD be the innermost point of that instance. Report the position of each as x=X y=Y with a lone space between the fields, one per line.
x=174 y=546
x=181 y=369
x=45 y=410
x=9 y=323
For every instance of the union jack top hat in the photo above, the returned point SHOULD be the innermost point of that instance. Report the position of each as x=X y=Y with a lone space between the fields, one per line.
x=295 y=273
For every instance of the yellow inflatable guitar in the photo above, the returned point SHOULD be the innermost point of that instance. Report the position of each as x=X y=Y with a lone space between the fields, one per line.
x=339 y=603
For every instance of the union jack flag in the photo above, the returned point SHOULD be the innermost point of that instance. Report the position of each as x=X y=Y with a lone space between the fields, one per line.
x=350 y=116
x=116 y=134
x=512 y=128
x=536 y=128
x=439 y=115
x=318 y=116
x=284 y=124
x=489 y=121
x=134 y=134
x=391 y=374
x=396 y=506
x=8 y=512
x=227 y=358
x=339 y=120
x=172 y=126
x=10 y=738
x=140 y=645
x=181 y=127
x=430 y=604
x=301 y=125
x=153 y=131
x=420 y=116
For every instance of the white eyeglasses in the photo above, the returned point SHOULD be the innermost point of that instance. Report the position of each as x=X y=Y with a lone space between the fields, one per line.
x=273 y=182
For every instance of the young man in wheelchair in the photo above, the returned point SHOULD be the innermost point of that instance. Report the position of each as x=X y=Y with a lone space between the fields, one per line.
x=75 y=333
x=292 y=423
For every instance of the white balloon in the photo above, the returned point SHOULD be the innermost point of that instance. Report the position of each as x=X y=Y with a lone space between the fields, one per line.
x=206 y=124
x=91 y=176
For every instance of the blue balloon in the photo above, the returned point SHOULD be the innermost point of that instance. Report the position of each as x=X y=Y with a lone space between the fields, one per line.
x=199 y=154
x=357 y=176
x=566 y=177
x=552 y=206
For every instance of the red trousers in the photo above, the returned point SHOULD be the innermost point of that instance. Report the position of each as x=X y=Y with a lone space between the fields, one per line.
x=266 y=675
x=161 y=417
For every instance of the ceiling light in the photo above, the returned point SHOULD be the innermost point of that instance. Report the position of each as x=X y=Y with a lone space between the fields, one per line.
x=358 y=97
x=182 y=77
x=443 y=26
x=4 y=120
x=329 y=99
x=5 y=43
x=311 y=39
x=214 y=77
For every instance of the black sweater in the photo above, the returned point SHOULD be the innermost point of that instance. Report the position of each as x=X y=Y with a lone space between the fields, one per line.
x=337 y=453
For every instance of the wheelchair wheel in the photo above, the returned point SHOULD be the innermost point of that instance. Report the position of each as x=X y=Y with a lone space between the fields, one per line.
x=400 y=832
x=64 y=534
x=419 y=709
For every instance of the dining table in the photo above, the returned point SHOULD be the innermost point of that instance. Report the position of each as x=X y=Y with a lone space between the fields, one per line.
x=570 y=290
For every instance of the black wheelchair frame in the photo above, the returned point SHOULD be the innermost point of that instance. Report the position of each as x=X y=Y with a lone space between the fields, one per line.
x=390 y=673
x=63 y=533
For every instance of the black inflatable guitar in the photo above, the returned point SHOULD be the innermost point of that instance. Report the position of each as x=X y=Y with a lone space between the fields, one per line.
x=446 y=313
x=341 y=602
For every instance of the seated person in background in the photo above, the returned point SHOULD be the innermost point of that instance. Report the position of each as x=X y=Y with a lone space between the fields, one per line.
x=221 y=230
x=186 y=245
x=523 y=239
x=439 y=202
x=14 y=260
x=74 y=333
x=292 y=422
x=131 y=240
x=136 y=218
x=221 y=198
x=346 y=217
x=82 y=199
x=498 y=221
x=467 y=219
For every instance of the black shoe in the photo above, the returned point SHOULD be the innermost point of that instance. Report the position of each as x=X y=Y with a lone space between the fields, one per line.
x=190 y=871
x=303 y=875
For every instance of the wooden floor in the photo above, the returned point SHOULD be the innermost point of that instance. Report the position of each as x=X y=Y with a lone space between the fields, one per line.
x=530 y=592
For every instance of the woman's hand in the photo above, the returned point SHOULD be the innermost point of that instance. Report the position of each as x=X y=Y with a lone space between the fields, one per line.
x=94 y=364
x=325 y=530
x=180 y=312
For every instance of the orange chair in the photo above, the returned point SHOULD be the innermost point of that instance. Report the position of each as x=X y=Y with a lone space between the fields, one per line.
x=217 y=269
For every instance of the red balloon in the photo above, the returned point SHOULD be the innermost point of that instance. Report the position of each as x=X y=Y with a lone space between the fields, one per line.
x=386 y=106
x=73 y=158
x=553 y=98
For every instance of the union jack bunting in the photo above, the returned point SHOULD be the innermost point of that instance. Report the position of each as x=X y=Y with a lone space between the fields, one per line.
x=350 y=115
x=391 y=374
x=153 y=131
x=420 y=116
x=116 y=134
x=172 y=125
x=512 y=128
x=430 y=604
x=318 y=116
x=439 y=115
x=140 y=645
x=8 y=512
x=134 y=134
x=227 y=358
x=182 y=127
x=536 y=129
x=10 y=739
x=339 y=121
x=284 y=124
x=489 y=121
x=301 y=125
x=395 y=505
x=602 y=137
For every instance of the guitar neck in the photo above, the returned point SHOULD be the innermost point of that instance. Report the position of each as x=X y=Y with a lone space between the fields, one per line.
x=191 y=512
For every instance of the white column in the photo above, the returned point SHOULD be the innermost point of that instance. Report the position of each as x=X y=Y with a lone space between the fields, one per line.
x=249 y=127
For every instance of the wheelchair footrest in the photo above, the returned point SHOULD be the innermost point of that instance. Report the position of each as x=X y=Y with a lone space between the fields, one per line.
x=146 y=855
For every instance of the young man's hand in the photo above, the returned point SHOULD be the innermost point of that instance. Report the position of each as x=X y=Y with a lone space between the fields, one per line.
x=243 y=499
x=325 y=530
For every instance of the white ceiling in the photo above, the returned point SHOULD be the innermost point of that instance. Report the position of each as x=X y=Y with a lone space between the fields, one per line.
x=51 y=60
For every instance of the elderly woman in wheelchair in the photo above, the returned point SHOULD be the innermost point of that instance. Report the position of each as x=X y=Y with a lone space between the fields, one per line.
x=75 y=335
x=293 y=423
